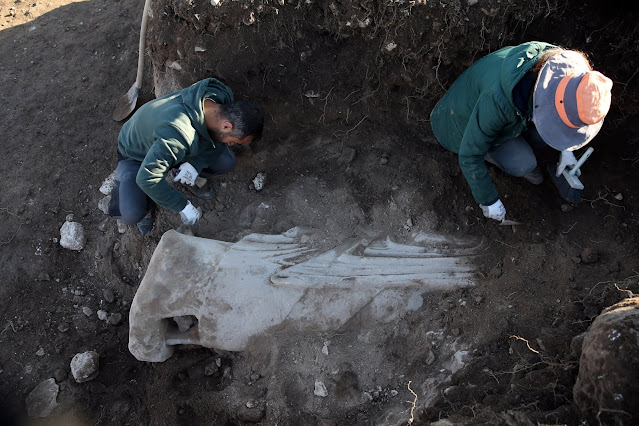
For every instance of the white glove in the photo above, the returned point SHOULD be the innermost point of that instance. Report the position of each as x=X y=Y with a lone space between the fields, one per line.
x=567 y=158
x=190 y=214
x=495 y=211
x=187 y=174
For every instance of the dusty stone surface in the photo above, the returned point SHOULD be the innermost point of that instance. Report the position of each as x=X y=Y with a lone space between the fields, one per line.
x=85 y=366
x=282 y=283
x=72 y=236
x=607 y=384
x=42 y=399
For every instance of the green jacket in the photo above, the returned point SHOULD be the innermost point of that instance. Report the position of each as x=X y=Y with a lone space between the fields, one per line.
x=168 y=131
x=477 y=113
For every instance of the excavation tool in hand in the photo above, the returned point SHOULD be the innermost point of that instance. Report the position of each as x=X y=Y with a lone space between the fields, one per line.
x=126 y=104
x=568 y=182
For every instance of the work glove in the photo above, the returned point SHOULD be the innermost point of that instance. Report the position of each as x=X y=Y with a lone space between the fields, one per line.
x=567 y=158
x=187 y=174
x=190 y=214
x=495 y=211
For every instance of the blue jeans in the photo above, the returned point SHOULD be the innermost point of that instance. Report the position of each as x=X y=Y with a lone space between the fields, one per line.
x=516 y=157
x=130 y=204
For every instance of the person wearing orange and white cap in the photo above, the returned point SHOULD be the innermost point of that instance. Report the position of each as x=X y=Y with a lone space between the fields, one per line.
x=513 y=100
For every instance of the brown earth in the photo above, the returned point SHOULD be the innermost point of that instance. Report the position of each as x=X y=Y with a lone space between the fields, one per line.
x=329 y=88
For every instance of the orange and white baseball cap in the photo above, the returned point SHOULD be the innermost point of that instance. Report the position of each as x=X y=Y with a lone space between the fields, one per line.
x=570 y=101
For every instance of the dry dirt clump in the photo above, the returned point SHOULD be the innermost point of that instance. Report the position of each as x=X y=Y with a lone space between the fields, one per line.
x=607 y=386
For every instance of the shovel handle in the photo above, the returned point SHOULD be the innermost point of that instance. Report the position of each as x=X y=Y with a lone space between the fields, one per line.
x=145 y=20
x=581 y=161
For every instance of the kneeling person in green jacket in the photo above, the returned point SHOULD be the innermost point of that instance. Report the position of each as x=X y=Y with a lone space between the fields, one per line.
x=513 y=100
x=191 y=130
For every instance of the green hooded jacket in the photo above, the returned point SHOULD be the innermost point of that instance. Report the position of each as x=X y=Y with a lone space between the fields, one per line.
x=168 y=131
x=477 y=113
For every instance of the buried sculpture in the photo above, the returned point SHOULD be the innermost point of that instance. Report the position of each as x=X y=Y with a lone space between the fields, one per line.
x=278 y=283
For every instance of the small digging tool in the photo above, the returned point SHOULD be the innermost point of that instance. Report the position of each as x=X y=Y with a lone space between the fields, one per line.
x=126 y=104
x=568 y=182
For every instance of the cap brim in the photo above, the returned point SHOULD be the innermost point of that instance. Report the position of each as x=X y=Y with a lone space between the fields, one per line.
x=549 y=125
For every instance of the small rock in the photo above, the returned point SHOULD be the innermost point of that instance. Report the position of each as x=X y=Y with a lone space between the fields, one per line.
x=69 y=218
x=60 y=375
x=122 y=227
x=42 y=399
x=325 y=349
x=40 y=352
x=258 y=181
x=383 y=161
x=566 y=208
x=87 y=311
x=251 y=415
x=210 y=369
x=320 y=389
x=103 y=204
x=108 y=295
x=115 y=318
x=107 y=185
x=72 y=236
x=63 y=327
x=576 y=259
x=85 y=366
x=454 y=331
x=251 y=404
x=348 y=155
x=479 y=299
x=472 y=2
x=255 y=377
x=589 y=255
x=43 y=276
x=619 y=197
x=103 y=315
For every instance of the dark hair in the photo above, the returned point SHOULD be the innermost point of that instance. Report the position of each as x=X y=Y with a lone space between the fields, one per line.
x=247 y=118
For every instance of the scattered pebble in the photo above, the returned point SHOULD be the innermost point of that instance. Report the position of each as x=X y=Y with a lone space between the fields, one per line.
x=103 y=204
x=383 y=161
x=258 y=181
x=122 y=227
x=107 y=185
x=40 y=352
x=63 y=327
x=210 y=369
x=348 y=155
x=566 y=208
x=103 y=315
x=619 y=197
x=325 y=349
x=85 y=366
x=115 y=318
x=108 y=295
x=87 y=311
x=42 y=399
x=72 y=236
x=320 y=389
x=251 y=404
x=60 y=375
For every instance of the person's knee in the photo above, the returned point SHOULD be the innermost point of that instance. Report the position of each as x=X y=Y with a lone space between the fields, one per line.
x=132 y=214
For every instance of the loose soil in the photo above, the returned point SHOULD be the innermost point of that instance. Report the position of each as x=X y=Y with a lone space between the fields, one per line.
x=347 y=150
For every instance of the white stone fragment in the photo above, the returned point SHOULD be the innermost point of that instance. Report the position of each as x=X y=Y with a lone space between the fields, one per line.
x=259 y=180
x=325 y=349
x=472 y=2
x=107 y=185
x=390 y=46
x=200 y=49
x=103 y=204
x=72 y=236
x=320 y=389
x=42 y=399
x=215 y=2
x=264 y=282
x=85 y=366
x=103 y=315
